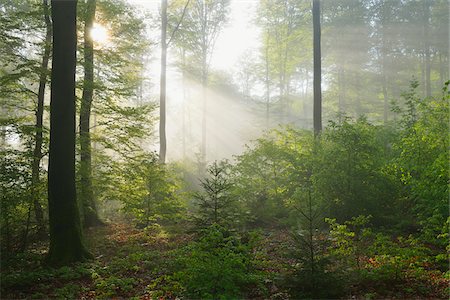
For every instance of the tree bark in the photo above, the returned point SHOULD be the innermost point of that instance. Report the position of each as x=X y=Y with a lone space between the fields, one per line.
x=90 y=214
x=317 y=115
x=162 y=99
x=66 y=242
x=37 y=152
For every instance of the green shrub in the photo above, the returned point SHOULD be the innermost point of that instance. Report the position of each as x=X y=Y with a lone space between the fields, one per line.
x=218 y=266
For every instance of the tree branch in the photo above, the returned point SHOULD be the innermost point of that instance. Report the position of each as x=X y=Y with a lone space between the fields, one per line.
x=179 y=23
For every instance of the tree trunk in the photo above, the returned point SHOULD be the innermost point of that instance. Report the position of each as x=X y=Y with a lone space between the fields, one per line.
x=426 y=24
x=37 y=152
x=162 y=99
x=66 y=242
x=184 y=104
x=317 y=69
x=267 y=79
x=90 y=214
x=205 y=110
x=342 y=93
x=384 y=64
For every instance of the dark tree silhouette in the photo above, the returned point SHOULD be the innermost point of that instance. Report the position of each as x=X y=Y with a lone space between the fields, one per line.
x=66 y=243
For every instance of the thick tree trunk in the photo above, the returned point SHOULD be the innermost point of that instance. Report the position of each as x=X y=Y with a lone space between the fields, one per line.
x=37 y=152
x=317 y=69
x=90 y=215
x=66 y=242
x=162 y=99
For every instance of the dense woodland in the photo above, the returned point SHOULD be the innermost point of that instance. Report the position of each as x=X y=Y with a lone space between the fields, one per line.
x=343 y=193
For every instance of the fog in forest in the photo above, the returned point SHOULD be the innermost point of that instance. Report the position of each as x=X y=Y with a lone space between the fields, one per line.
x=224 y=149
x=371 y=50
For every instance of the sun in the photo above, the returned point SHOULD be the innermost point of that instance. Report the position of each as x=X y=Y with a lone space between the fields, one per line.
x=99 y=34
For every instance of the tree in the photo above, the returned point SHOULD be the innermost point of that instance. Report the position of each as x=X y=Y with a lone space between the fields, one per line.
x=37 y=152
x=285 y=52
x=120 y=116
x=66 y=242
x=423 y=160
x=87 y=200
x=162 y=101
x=317 y=69
x=215 y=204
x=201 y=27
x=26 y=45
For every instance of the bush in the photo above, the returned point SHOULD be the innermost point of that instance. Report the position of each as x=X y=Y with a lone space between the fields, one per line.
x=218 y=266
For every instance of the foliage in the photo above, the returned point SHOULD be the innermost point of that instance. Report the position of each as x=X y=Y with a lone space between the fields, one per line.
x=423 y=161
x=215 y=204
x=218 y=266
x=352 y=175
x=350 y=241
x=376 y=261
x=149 y=192
x=272 y=177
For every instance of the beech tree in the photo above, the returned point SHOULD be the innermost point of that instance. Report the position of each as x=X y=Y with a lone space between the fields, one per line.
x=90 y=215
x=66 y=242
x=317 y=69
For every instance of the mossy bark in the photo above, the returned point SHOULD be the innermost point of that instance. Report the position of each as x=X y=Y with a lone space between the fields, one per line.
x=66 y=241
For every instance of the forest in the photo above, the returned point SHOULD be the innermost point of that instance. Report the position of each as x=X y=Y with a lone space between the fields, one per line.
x=224 y=149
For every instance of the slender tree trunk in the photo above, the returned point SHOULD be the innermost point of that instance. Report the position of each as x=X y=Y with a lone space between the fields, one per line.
x=90 y=214
x=37 y=152
x=184 y=104
x=384 y=63
x=341 y=84
x=441 y=71
x=317 y=69
x=267 y=84
x=66 y=242
x=426 y=24
x=385 y=98
x=205 y=109
x=162 y=99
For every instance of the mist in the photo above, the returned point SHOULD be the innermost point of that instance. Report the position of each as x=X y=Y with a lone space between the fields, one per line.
x=224 y=149
x=367 y=59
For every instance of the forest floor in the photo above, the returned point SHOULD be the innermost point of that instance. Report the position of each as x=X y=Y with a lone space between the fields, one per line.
x=137 y=264
x=129 y=263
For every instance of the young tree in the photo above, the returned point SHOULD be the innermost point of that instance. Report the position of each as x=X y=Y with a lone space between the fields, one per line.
x=66 y=243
